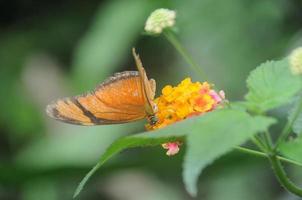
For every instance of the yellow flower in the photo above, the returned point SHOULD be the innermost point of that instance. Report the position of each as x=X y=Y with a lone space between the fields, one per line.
x=185 y=100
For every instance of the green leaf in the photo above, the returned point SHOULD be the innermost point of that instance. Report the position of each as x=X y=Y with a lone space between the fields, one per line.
x=239 y=105
x=271 y=85
x=173 y=132
x=216 y=135
x=113 y=33
x=292 y=149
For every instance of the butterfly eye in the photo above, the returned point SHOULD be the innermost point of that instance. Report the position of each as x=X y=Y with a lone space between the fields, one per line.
x=152 y=120
x=155 y=108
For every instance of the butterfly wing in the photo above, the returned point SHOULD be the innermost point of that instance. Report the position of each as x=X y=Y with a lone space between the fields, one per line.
x=119 y=99
x=148 y=86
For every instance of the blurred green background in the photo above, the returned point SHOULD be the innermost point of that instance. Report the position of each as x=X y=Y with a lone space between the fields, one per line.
x=52 y=49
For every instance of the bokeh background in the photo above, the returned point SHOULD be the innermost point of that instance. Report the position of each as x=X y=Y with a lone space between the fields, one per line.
x=51 y=49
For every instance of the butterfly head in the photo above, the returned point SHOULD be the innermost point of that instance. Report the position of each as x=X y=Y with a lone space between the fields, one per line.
x=152 y=119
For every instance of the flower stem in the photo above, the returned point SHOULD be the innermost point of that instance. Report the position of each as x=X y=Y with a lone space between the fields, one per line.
x=287 y=128
x=282 y=177
x=264 y=155
x=267 y=139
x=171 y=37
x=279 y=170
x=251 y=151
x=258 y=142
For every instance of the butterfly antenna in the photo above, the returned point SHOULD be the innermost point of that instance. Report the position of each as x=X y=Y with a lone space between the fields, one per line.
x=138 y=61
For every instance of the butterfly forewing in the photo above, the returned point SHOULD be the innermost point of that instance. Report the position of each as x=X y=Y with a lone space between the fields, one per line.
x=148 y=86
x=119 y=99
x=66 y=110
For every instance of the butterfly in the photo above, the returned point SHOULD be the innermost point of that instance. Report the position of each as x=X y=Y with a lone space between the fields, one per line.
x=125 y=97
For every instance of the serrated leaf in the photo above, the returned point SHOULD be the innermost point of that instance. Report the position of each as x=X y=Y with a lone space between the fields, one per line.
x=171 y=133
x=215 y=136
x=292 y=149
x=271 y=85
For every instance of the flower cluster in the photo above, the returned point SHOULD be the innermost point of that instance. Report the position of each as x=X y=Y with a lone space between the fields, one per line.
x=185 y=100
x=295 y=60
x=159 y=20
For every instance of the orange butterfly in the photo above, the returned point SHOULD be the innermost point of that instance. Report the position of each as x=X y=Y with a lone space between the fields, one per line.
x=124 y=97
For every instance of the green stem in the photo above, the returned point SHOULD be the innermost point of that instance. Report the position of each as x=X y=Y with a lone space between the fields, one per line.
x=268 y=140
x=279 y=170
x=175 y=42
x=289 y=161
x=287 y=128
x=282 y=177
x=250 y=151
x=257 y=141
x=264 y=155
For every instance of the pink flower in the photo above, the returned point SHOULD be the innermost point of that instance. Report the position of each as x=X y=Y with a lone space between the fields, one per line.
x=173 y=148
x=217 y=97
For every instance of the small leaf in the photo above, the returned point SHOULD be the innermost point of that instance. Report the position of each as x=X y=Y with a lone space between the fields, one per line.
x=216 y=135
x=292 y=149
x=271 y=85
x=151 y=138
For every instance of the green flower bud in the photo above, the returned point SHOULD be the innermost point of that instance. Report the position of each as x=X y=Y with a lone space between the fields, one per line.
x=295 y=60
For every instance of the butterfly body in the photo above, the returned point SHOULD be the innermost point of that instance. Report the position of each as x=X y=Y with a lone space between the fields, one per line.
x=124 y=97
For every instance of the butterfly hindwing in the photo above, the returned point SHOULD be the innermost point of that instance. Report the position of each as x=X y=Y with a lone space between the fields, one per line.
x=119 y=99
x=66 y=110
